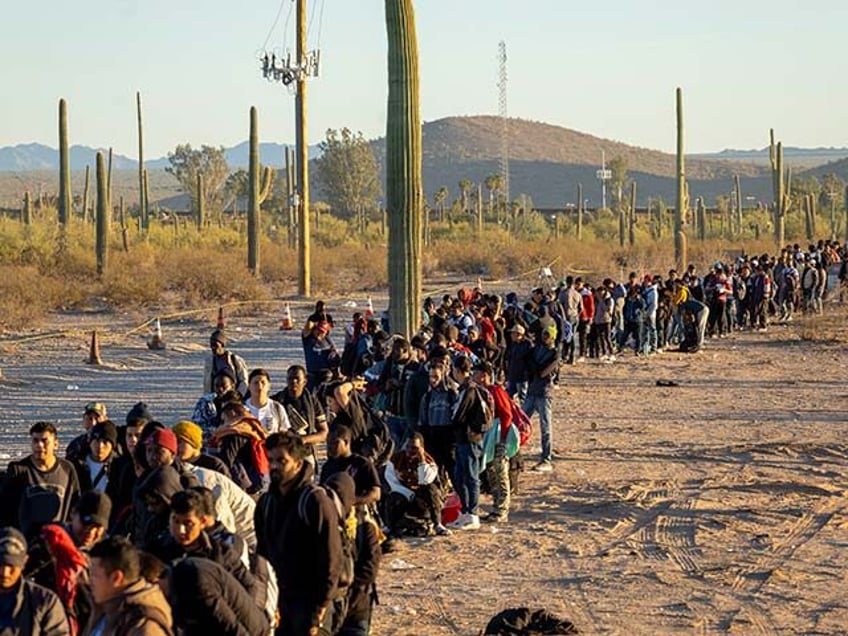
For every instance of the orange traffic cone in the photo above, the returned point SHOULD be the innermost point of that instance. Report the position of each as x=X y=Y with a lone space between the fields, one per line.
x=286 y=323
x=156 y=343
x=370 y=310
x=94 y=350
x=221 y=322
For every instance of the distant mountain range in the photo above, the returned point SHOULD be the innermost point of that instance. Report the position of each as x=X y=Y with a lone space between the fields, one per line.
x=546 y=162
x=27 y=157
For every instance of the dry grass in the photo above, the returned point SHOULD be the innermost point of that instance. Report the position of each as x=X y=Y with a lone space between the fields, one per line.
x=829 y=327
x=180 y=267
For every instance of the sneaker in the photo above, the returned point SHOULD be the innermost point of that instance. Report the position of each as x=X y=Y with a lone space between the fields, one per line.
x=466 y=522
x=442 y=531
x=544 y=466
x=496 y=517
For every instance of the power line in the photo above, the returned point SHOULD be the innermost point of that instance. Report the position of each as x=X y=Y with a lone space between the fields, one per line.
x=276 y=21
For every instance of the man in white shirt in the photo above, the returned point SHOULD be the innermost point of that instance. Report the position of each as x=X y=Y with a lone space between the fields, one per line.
x=272 y=414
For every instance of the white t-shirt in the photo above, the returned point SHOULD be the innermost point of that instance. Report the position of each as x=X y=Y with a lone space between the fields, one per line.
x=273 y=416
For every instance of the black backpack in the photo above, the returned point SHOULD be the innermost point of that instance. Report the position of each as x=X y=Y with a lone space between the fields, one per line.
x=373 y=440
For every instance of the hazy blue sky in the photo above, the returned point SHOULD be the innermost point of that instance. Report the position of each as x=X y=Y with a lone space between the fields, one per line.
x=605 y=68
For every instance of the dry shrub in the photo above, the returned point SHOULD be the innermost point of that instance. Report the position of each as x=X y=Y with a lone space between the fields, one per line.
x=28 y=295
x=829 y=327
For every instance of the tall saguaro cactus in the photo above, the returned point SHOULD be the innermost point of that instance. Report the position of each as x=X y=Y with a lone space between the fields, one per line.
x=85 y=195
x=26 y=212
x=579 y=211
x=259 y=186
x=631 y=233
x=404 y=187
x=102 y=232
x=738 y=220
x=143 y=209
x=679 y=237
x=64 y=167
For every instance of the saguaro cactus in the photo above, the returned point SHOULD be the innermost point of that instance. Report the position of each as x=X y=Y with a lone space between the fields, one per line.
x=64 y=167
x=26 y=211
x=579 y=211
x=622 y=225
x=701 y=219
x=631 y=234
x=679 y=236
x=143 y=208
x=684 y=246
x=85 y=195
x=738 y=220
x=258 y=190
x=102 y=232
x=404 y=189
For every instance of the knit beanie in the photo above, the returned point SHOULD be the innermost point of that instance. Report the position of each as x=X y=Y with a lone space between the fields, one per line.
x=190 y=432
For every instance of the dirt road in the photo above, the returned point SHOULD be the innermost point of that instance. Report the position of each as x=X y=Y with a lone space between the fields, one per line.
x=716 y=506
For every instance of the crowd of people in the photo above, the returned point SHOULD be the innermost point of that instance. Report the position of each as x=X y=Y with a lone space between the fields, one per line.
x=268 y=512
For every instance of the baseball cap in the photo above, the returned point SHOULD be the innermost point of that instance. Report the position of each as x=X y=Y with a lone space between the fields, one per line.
x=13 y=547
x=94 y=508
x=165 y=438
x=96 y=407
x=518 y=328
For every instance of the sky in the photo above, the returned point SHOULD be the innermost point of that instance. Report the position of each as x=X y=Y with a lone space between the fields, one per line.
x=605 y=68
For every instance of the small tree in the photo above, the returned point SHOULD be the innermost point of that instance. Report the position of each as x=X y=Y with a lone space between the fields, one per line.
x=348 y=173
x=187 y=163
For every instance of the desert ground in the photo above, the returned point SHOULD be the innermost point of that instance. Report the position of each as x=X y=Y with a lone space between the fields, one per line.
x=714 y=506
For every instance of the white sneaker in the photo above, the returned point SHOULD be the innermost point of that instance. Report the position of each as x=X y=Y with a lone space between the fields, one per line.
x=472 y=523
x=460 y=522
x=544 y=466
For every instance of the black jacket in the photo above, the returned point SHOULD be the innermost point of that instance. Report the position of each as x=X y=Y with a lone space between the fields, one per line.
x=368 y=554
x=36 y=612
x=168 y=550
x=305 y=550
x=208 y=600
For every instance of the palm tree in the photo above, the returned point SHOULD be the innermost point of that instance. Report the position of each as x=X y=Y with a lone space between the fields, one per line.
x=464 y=188
x=439 y=199
x=493 y=183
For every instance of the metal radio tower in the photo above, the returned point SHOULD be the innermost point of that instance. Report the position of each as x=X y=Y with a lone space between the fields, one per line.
x=502 y=113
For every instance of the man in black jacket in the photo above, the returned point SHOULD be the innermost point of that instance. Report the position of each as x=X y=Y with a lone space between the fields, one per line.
x=297 y=531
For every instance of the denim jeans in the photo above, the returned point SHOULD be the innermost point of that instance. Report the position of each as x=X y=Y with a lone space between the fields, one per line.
x=517 y=388
x=467 y=475
x=541 y=405
x=648 y=337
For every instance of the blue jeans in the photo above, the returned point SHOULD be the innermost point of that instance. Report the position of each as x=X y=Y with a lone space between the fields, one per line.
x=517 y=388
x=541 y=405
x=648 y=338
x=466 y=476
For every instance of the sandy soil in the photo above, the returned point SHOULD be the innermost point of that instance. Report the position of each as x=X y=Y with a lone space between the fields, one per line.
x=717 y=506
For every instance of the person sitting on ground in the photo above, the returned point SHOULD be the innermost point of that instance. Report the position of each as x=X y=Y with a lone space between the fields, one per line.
x=28 y=608
x=221 y=359
x=189 y=445
x=415 y=492
x=40 y=488
x=125 y=603
x=271 y=413
x=94 y=412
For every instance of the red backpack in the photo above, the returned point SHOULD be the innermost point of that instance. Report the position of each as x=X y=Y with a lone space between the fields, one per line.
x=522 y=423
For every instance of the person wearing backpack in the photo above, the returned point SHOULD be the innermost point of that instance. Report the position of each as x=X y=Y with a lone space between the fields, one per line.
x=221 y=359
x=472 y=418
x=297 y=531
x=498 y=468
x=239 y=443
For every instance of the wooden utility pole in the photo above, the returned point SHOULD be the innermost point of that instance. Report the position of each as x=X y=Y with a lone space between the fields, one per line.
x=304 y=270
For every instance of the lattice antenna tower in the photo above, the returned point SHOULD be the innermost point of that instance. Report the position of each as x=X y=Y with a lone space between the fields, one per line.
x=502 y=113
